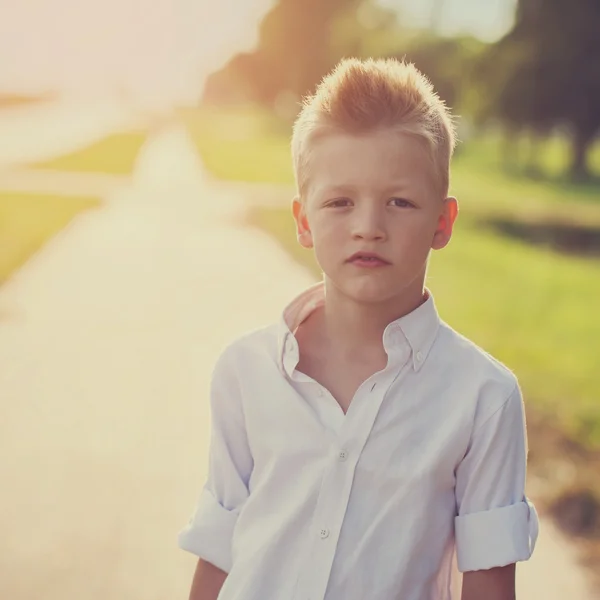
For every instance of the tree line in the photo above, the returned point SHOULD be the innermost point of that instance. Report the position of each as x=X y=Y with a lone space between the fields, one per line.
x=542 y=75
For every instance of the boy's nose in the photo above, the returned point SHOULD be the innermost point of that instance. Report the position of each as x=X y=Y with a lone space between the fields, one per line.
x=368 y=225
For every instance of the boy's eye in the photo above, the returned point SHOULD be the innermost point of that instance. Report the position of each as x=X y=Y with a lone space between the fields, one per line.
x=401 y=202
x=339 y=202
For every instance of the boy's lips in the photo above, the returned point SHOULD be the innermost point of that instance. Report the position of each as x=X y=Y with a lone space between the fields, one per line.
x=368 y=259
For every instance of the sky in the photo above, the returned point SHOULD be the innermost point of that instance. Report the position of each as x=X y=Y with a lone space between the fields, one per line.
x=159 y=51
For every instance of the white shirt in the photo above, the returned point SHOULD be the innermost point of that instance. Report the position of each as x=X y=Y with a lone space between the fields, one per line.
x=422 y=479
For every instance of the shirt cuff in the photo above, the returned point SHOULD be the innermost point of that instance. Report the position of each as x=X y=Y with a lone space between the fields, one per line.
x=496 y=538
x=209 y=532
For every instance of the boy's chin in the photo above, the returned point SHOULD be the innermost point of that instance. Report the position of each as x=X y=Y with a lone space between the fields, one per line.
x=365 y=292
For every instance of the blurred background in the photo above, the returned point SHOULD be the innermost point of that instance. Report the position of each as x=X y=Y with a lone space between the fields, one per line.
x=145 y=183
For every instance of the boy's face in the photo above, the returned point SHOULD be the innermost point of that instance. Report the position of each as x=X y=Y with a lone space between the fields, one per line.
x=373 y=212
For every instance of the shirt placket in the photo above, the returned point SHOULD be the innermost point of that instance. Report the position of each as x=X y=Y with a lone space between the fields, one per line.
x=337 y=485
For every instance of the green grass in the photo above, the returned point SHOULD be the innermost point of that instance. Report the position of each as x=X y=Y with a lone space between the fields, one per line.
x=115 y=155
x=486 y=193
x=243 y=145
x=550 y=155
x=532 y=308
x=27 y=221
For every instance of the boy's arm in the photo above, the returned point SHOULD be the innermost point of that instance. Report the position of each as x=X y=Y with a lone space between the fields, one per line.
x=208 y=581
x=496 y=525
x=209 y=532
x=493 y=584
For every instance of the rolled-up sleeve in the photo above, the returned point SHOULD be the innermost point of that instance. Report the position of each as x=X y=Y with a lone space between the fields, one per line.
x=496 y=524
x=209 y=532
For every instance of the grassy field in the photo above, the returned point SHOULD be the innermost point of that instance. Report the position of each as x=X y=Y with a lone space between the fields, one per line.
x=27 y=221
x=240 y=145
x=115 y=154
x=530 y=306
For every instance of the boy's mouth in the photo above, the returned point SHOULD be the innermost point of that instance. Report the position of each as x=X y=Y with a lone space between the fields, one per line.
x=368 y=259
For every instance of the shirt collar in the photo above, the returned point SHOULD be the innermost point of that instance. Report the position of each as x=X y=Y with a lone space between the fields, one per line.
x=419 y=328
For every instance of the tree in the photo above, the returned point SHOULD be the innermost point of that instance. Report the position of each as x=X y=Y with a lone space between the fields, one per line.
x=546 y=72
x=295 y=40
x=293 y=53
x=299 y=42
x=448 y=63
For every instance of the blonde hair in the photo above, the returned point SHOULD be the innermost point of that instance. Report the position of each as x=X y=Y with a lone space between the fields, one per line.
x=365 y=96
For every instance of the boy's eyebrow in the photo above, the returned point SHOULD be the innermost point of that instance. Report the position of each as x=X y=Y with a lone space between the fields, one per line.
x=336 y=189
x=398 y=187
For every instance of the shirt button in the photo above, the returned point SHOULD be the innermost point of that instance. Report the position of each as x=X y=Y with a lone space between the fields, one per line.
x=419 y=357
x=343 y=455
x=324 y=533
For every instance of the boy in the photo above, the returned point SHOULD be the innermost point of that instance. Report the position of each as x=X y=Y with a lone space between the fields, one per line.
x=361 y=449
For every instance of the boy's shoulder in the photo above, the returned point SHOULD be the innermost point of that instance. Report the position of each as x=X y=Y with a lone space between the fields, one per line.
x=246 y=348
x=471 y=363
x=480 y=385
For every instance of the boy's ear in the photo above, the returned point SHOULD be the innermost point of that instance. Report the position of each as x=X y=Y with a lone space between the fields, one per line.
x=303 y=232
x=445 y=224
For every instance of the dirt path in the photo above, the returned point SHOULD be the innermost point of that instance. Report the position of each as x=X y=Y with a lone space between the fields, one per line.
x=107 y=339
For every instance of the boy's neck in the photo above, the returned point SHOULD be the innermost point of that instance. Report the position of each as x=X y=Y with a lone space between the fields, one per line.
x=350 y=325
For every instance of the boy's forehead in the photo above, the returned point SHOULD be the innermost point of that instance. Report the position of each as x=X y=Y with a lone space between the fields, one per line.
x=378 y=138
x=385 y=151
x=342 y=162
